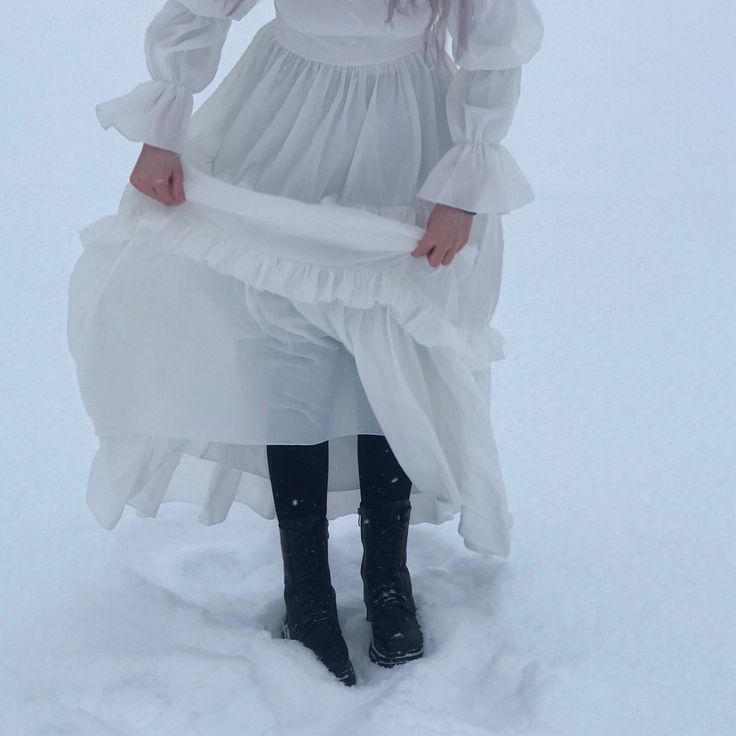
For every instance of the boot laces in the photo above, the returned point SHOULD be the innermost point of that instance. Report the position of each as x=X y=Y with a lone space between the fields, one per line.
x=388 y=596
x=314 y=596
x=388 y=590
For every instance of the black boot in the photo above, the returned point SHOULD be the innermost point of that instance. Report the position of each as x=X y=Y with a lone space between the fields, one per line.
x=311 y=609
x=396 y=634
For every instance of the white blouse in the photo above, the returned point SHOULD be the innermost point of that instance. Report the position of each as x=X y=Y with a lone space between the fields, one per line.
x=183 y=45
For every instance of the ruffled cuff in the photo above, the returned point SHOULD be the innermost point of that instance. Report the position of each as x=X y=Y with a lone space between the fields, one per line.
x=478 y=177
x=154 y=112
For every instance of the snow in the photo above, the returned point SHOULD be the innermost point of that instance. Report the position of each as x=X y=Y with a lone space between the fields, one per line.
x=615 y=414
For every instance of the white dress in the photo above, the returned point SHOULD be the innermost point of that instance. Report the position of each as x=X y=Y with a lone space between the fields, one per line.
x=280 y=303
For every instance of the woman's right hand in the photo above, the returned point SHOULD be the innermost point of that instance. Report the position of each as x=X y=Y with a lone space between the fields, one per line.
x=158 y=173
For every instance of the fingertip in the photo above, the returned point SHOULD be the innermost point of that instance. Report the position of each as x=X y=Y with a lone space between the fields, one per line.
x=440 y=259
x=423 y=248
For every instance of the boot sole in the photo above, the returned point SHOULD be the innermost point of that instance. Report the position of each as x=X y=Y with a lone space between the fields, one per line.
x=347 y=677
x=385 y=660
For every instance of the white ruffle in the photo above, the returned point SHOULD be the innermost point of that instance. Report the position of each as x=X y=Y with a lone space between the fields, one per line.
x=159 y=353
x=149 y=471
x=156 y=112
x=477 y=173
x=256 y=238
x=480 y=177
x=141 y=469
x=182 y=51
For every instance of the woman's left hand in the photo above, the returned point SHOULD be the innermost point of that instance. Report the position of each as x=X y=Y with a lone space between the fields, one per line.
x=448 y=231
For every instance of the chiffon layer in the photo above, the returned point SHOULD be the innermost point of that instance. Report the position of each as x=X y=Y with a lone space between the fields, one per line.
x=241 y=318
x=280 y=304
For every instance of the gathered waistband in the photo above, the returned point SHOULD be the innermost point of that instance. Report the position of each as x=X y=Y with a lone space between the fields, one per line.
x=345 y=50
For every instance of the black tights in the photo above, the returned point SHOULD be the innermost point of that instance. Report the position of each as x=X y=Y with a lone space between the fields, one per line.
x=299 y=476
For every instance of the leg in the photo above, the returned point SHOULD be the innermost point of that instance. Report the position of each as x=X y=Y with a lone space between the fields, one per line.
x=381 y=476
x=384 y=527
x=299 y=481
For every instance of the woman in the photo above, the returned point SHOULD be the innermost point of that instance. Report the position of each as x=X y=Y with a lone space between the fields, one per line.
x=298 y=286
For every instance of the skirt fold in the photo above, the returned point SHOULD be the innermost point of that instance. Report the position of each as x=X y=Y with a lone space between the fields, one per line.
x=280 y=304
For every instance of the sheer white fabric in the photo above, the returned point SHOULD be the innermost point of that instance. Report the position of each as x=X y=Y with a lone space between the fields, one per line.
x=478 y=173
x=279 y=303
x=184 y=42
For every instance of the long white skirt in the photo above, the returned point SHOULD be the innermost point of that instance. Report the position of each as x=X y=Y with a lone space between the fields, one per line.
x=280 y=305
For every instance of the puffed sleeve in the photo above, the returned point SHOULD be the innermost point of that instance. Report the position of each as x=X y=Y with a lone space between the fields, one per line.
x=183 y=44
x=477 y=173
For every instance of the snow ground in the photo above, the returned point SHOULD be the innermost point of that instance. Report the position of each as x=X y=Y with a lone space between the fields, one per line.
x=615 y=415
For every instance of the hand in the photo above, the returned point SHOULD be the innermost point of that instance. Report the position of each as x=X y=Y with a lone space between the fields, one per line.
x=448 y=231
x=158 y=173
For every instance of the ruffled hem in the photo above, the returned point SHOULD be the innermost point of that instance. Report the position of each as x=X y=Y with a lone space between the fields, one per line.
x=247 y=247
x=427 y=384
x=147 y=472
x=142 y=468
x=154 y=112
x=477 y=176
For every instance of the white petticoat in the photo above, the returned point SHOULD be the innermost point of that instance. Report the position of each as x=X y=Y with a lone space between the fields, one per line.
x=280 y=304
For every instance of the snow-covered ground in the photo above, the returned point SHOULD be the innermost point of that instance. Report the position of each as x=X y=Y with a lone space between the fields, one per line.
x=615 y=413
